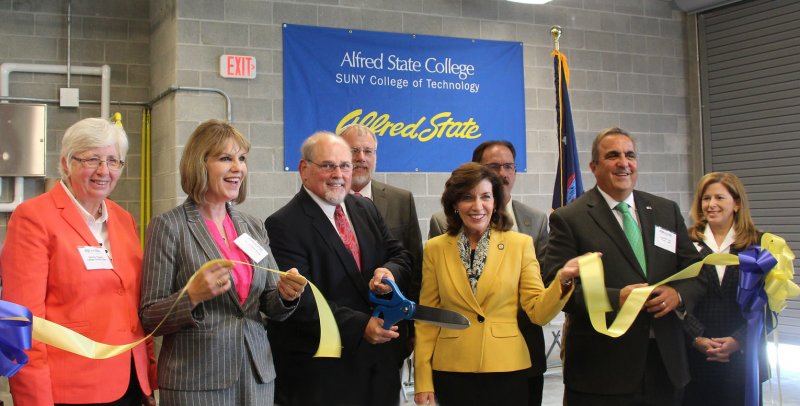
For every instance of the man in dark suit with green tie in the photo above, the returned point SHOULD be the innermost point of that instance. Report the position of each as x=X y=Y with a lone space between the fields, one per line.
x=643 y=240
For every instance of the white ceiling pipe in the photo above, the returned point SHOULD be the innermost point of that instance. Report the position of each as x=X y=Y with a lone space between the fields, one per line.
x=105 y=101
x=10 y=206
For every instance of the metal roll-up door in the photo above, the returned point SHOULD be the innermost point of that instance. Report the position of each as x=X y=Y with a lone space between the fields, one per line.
x=750 y=84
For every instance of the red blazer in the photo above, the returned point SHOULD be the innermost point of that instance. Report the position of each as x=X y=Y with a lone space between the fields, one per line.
x=43 y=270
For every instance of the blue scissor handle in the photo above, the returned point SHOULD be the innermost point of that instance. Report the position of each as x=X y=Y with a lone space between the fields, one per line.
x=393 y=309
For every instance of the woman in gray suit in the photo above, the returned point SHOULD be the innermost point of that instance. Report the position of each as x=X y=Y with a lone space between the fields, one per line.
x=215 y=349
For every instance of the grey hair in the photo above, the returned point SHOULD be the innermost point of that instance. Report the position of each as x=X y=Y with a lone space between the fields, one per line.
x=307 y=149
x=91 y=133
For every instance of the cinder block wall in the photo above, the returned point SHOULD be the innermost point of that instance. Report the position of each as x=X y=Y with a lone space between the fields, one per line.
x=628 y=62
x=113 y=32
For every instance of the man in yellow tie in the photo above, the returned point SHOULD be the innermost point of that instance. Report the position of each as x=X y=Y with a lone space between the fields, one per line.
x=643 y=240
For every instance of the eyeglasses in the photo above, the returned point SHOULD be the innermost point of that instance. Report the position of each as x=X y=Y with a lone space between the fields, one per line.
x=93 y=163
x=330 y=166
x=366 y=151
x=509 y=166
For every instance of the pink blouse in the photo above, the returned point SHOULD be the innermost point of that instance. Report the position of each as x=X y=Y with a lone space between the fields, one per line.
x=242 y=274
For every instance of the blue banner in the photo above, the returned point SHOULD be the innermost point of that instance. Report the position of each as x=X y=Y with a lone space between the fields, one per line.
x=430 y=100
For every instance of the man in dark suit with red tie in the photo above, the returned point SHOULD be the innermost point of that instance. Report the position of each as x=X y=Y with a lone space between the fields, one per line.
x=341 y=244
x=643 y=240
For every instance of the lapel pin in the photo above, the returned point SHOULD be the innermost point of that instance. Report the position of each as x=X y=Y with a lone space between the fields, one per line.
x=648 y=208
x=500 y=246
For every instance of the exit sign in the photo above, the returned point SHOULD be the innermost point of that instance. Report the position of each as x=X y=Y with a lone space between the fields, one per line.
x=237 y=66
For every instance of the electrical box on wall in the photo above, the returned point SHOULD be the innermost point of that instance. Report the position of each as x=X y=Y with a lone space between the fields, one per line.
x=69 y=97
x=23 y=129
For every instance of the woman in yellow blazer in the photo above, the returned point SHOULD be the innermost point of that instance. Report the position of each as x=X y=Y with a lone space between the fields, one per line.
x=485 y=272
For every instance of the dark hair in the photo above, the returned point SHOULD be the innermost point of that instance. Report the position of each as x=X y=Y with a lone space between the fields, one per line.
x=462 y=181
x=477 y=154
x=606 y=133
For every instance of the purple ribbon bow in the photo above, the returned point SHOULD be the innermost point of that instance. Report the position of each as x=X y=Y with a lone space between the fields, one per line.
x=755 y=264
x=15 y=336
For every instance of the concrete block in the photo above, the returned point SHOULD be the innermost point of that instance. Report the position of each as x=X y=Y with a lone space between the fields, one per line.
x=651 y=143
x=586 y=100
x=198 y=57
x=139 y=31
x=233 y=87
x=527 y=183
x=536 y=118
x=226 y=34
x=675 y=29
x=413 y=182
x=617 y=62
x=139 y=75
x=652 y=182
x=481 y=9
x=634 y=7
x=644 y=64
x=605 y=81
x=661 y=46
x=632 y=44
x=188 y=32
x=185 y=78
x=260 y=160
x=45 y=25
x=451 y=8
x=427 y=205
x=266 y=134
x=294 y=13
x=659 y=9
x=541 y=161
x=460 y=28
x=533 y=35
x=509 y=11
x=648 y=103
x=435 y=183
x=252 y=110
x=266 y=36
x=599 y=120
x=33 y=48
x=601 y=41
x=645 y=26
x=422 y=24
x=538 y=77
x=379 y=20
x=338 y=17
x=105 y=28
x=599 y=5
x=674 y=66
x=272 y=184
x=633 y=83
x=245 y=11
x=663 y=123
x=256 y=206
x=126 y=52
x=618 y=102
x=34 y=6
x=17 y=23
x=635 y=122
x=578 y=80
x=615 y=23
x=196 y=107
x=201 y=9
x=585 y=59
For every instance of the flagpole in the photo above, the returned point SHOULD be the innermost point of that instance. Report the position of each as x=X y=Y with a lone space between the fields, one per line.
x=555 y=31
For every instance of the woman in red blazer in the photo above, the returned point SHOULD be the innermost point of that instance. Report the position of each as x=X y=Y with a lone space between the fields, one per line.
x=50 y=265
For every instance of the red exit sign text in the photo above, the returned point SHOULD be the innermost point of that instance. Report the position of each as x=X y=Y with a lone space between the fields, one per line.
x=237 y=66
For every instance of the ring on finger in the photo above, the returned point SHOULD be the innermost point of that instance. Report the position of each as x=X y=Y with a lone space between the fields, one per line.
x=221 y=282
x=664 y=304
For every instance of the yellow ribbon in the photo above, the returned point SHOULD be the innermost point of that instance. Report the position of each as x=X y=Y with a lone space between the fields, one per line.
x=55 y=335
x=779 y=285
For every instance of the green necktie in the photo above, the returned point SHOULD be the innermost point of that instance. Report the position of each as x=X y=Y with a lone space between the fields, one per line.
x=633 y=234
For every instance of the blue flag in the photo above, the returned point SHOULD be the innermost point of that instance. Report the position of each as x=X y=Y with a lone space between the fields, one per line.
x=568 y=185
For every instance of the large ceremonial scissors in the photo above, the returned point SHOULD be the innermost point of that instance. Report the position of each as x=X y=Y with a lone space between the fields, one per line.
x=398 y=307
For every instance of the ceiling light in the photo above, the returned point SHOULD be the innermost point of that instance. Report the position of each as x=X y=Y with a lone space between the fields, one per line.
x=530 y=1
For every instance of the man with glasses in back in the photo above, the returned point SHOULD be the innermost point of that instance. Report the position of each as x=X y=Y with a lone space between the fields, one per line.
x=500 y=156
x=341 y=244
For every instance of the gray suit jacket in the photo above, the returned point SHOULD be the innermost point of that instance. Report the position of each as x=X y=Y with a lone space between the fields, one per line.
x=592 y=361
x=400 y=215
x=204 y=348
x=533 y=223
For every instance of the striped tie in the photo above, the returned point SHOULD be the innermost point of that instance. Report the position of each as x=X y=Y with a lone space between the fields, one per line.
x=347 y=234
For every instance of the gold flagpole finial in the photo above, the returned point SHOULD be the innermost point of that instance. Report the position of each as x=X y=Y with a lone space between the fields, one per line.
x=555 y=31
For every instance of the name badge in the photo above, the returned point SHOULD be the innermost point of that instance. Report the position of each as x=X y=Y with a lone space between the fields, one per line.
x=95 y=258
x=251 y=247
x=665 y=239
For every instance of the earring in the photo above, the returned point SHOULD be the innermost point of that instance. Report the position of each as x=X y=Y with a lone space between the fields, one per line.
x=455 y=211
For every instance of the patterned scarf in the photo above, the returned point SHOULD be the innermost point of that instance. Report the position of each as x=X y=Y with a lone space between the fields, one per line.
x=473 y=262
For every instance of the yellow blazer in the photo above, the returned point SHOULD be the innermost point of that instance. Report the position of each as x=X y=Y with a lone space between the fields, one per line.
x=493 y=343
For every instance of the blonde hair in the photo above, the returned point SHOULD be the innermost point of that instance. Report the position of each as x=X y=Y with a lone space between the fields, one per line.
x=746 y=232
x=90 y=133
x=208 y=139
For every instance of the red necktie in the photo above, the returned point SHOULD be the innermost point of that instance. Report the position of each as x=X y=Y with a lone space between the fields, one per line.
x=347 y=234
